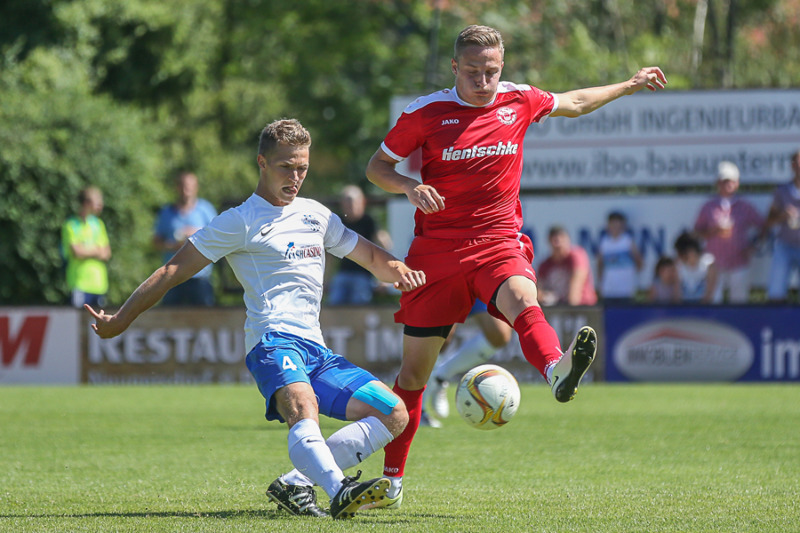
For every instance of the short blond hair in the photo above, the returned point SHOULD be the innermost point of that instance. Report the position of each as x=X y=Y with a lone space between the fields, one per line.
x=287 y=131
x=478 y=36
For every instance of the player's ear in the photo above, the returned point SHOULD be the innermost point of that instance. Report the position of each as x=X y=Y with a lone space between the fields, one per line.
x=262 y=161
x=454 y=66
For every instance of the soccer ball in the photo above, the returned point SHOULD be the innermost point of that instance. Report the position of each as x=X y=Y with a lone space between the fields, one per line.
x=487 y=397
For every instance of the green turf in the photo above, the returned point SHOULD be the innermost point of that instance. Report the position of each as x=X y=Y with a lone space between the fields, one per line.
x=618 y=459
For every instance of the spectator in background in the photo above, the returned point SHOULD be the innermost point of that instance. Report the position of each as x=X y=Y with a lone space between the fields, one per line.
x=85 y=247
x=785 y=213
x=618 y=261
x=727 y=224
x=696 y=270
x=666 y=287
x=566 y=276
x=177 y=222
x=353 y=284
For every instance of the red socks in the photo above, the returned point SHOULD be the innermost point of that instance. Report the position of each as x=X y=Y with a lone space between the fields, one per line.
x=538 y=339
x=397 y=451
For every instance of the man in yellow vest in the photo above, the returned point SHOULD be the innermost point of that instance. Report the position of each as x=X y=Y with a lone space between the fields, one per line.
x=85 y=246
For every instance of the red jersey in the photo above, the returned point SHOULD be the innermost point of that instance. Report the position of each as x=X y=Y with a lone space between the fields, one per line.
x=472 y=156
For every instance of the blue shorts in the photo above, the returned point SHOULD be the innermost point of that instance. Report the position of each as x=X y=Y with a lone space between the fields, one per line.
x=478 y=307
x=281 y=359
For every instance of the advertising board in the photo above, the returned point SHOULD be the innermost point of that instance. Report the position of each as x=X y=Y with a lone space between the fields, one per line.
x=702 y=343
x=39 y=345
x=207 y=346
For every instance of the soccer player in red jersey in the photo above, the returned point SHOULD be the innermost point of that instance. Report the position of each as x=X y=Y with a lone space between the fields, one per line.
x=468 y=218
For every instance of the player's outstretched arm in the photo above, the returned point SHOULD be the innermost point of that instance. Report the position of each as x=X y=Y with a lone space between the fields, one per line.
x=385 y=266
x=582 y=101
x=183 y=265
x=381 y=171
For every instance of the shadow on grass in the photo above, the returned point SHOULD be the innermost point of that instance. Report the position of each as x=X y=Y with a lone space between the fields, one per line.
x=250 y=513
x=274 y=514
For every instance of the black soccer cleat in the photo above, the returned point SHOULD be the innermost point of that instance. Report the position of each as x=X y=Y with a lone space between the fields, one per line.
x=353 y=495
x=298 y=500
x=570 y=369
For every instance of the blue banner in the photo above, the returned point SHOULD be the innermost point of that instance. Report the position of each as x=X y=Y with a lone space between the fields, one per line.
x=702 y=343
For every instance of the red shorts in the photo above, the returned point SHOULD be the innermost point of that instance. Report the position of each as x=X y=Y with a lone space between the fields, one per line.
x=457 y=272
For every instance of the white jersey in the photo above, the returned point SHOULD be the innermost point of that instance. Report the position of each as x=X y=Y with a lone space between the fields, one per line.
x=278 y=255
x=694 y=280
x=619 y=267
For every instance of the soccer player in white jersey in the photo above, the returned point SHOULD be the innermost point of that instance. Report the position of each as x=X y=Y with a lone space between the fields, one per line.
x=468 y=218
x=276 y=242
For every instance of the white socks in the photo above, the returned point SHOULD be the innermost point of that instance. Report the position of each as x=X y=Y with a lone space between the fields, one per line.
x=473 y=352
x=349 y=446
x=312 y=457
x=357 y=441
x=397 y=486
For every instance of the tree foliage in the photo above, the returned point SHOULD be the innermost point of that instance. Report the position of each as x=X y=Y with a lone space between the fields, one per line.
x=120 y=93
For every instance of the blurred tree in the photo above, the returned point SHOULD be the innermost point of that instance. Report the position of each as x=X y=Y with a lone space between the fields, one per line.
x=143 y=87
x=55 y=140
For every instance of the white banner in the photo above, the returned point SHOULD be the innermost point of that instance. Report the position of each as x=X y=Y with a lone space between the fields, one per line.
x=39 y=345
x=663 y=139
x=656 y=221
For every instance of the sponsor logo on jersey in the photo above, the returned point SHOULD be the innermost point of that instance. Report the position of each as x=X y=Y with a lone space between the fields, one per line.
x=506 y=115
x=501 y=148
x=294 y=251
x=312 y=223
x=448 y=121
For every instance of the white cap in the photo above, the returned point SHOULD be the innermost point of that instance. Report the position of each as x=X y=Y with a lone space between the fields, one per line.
x=727 y=171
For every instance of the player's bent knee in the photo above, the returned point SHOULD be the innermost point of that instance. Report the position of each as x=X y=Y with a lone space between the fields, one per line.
x=388 y=407
x=377 y=397
x=296 y=402
x=398 y=420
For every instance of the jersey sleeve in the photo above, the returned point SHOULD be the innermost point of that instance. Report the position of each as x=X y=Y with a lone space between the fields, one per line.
x=224 y=235
x=404 y=137
x=339 y=240
x=541 y=103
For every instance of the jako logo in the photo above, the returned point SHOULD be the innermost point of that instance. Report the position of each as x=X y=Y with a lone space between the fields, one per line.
x=29 y=337
x=501 y=148
x=449 y=121
x=683 y=350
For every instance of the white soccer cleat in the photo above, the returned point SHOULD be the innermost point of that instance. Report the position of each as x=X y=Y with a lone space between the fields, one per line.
x=570 y=369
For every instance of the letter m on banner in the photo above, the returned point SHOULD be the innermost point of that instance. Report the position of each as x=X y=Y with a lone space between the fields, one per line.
x=28 y=339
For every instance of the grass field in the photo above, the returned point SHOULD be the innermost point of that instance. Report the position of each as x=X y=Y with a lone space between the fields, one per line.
x=619 y=459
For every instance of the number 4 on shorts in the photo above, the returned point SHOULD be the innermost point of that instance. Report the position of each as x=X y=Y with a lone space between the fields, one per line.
x=288 y=364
